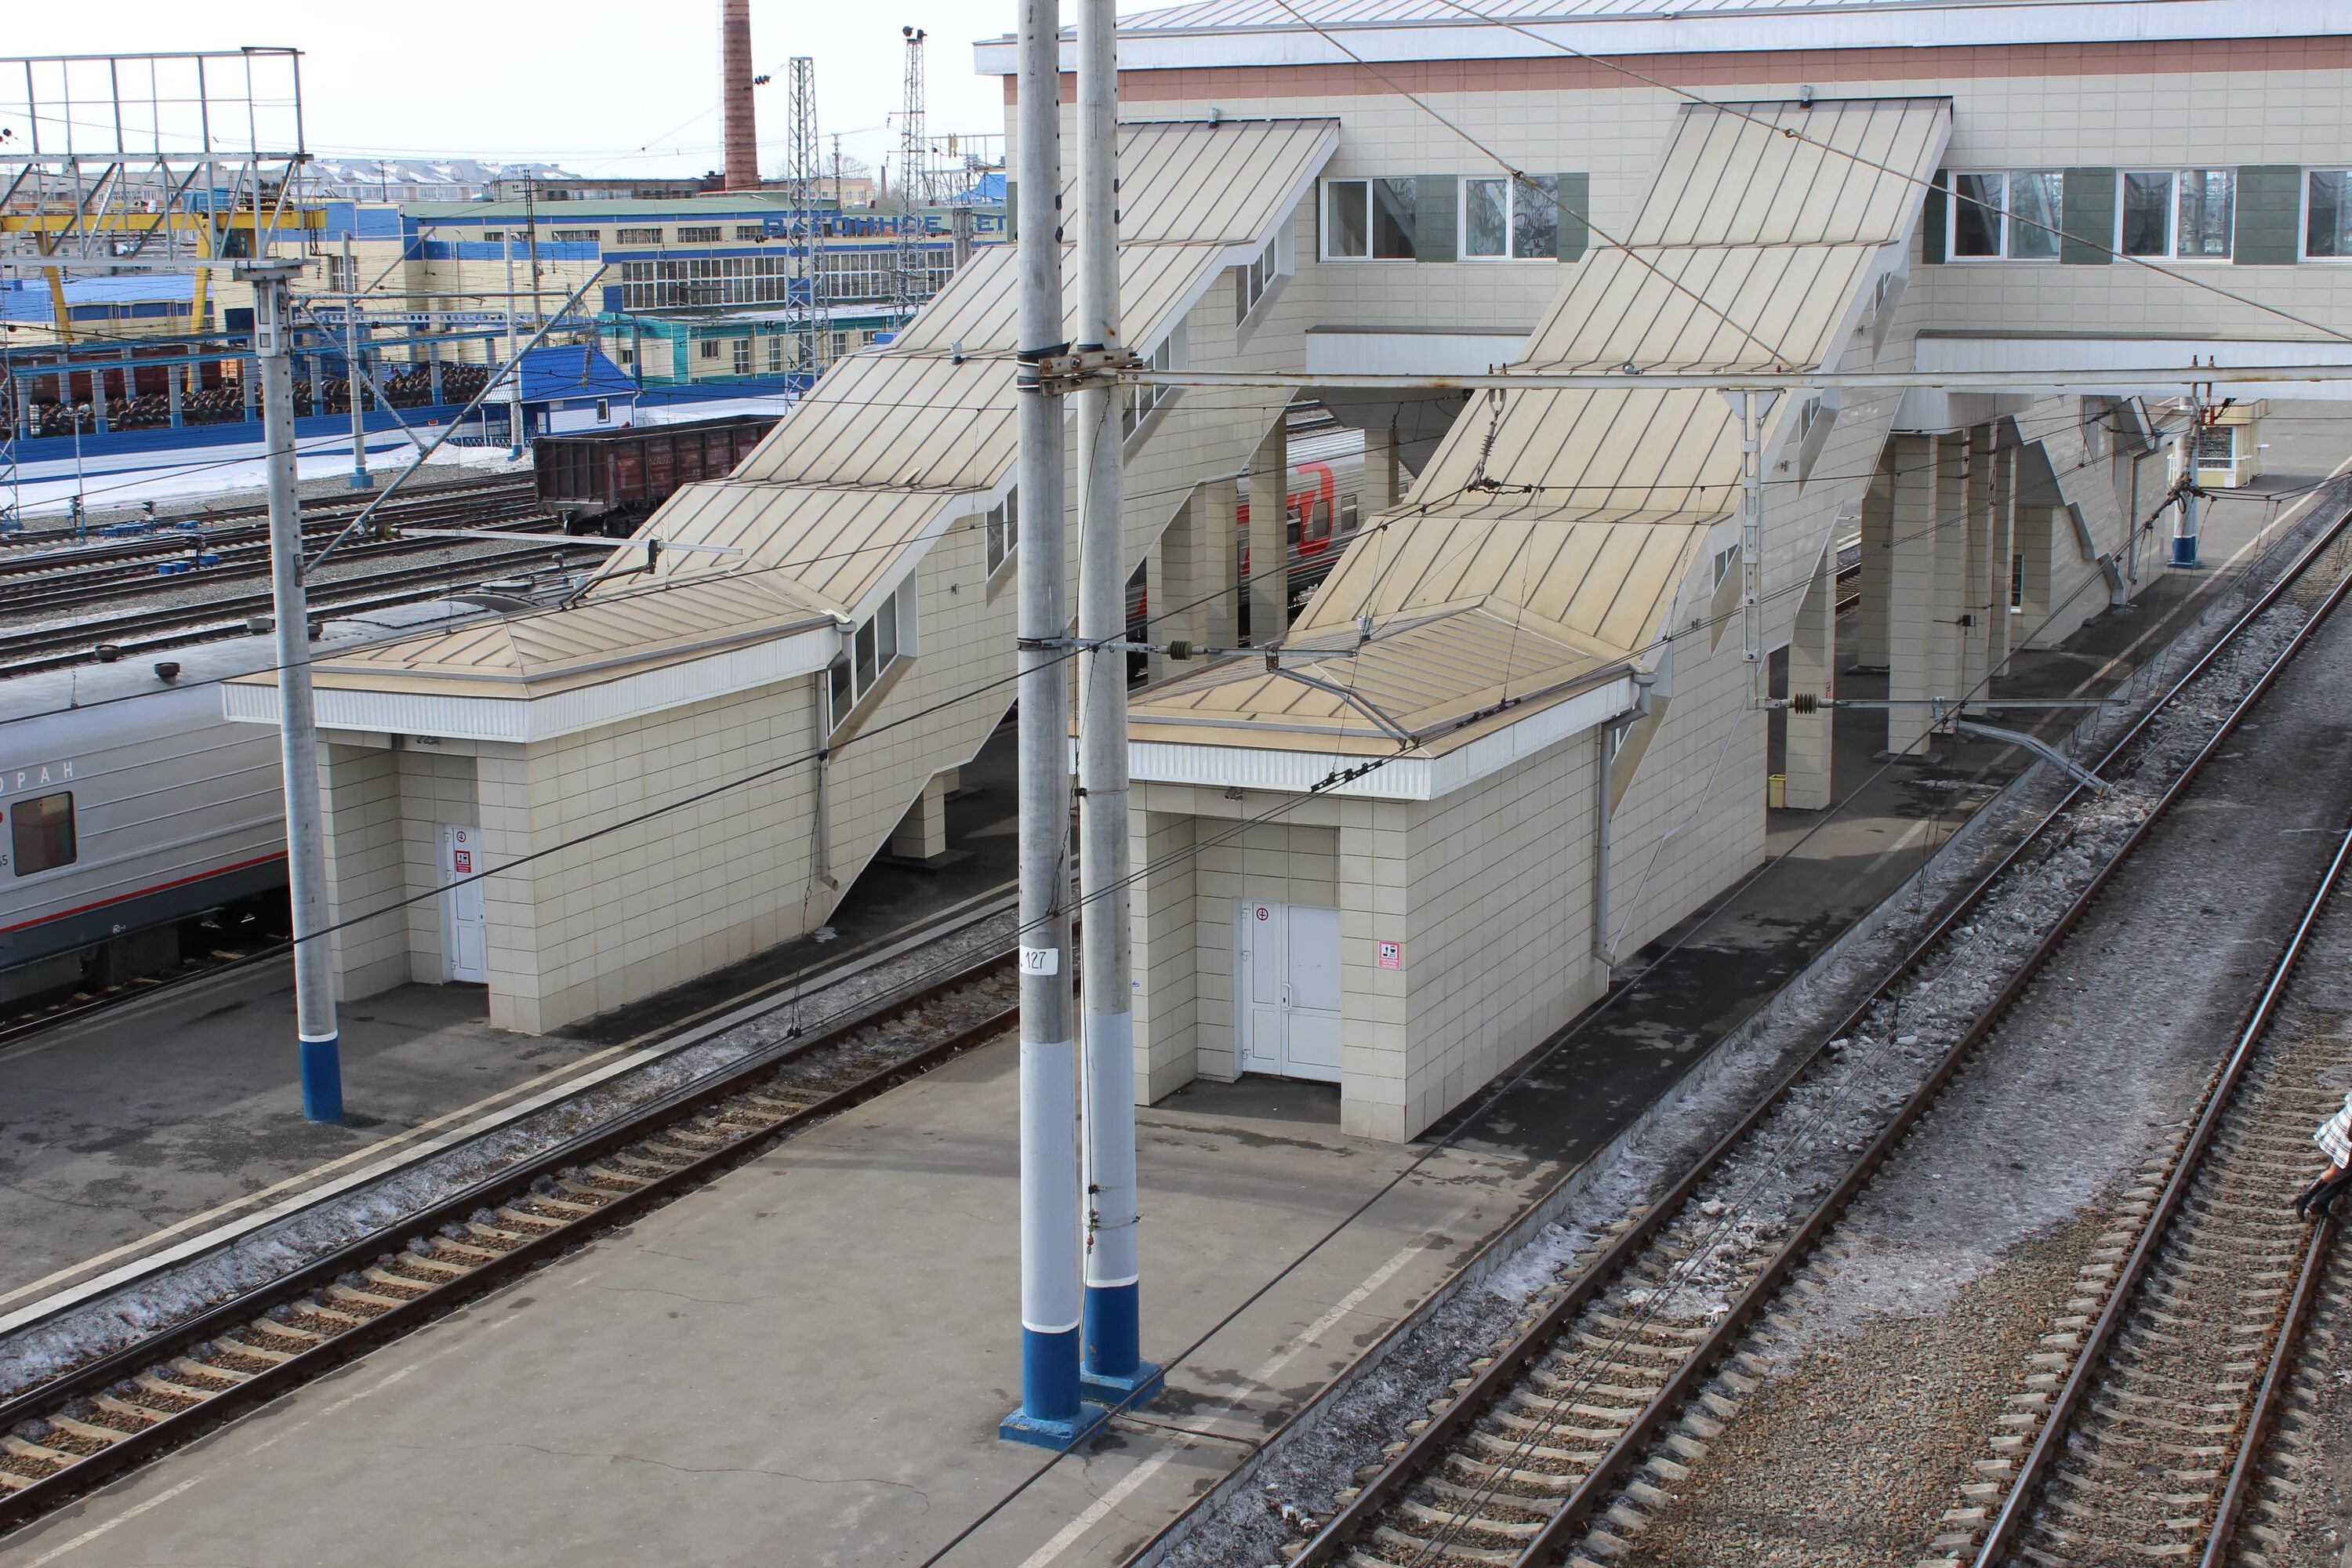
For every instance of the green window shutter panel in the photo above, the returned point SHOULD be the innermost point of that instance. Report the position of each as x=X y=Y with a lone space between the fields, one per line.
x=1011 y=211
x=1436 y=198
x=1575 y=210
x=2087 y=229
x=2270 y=203
x=1933 y=216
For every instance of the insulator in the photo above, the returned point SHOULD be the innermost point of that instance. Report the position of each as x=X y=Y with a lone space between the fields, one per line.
x=1805 y=702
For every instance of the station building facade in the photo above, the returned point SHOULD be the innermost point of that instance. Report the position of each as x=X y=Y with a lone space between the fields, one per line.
x=1526 y=742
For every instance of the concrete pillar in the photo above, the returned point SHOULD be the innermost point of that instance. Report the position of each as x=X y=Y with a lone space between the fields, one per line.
x=172 y=383
x=1877 y=564
x=1269 y=583
x=359 y=798
x=1924 y=607
x=1192 y=590
x=923 y=831
x=1998 y=634
x=1166 y=952
x=1813 y=668
x=1383 y=486
x=1977 y=603
x=98 y=397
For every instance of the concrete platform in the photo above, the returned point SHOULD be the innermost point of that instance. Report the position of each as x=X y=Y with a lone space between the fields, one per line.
x=806 y=1362
x=180 y=1111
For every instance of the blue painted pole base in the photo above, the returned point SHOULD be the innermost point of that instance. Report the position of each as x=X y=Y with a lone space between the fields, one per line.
x=1052 y=1413
x=1114 y=1369
x=362 y=481
x=1131 y=1391
x=1042 y=1432
x=323 y=1079
x=2184 y=552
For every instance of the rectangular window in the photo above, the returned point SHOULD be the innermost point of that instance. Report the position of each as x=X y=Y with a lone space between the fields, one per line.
x=1976 y=204
x=1514 y=219
x=698 y=233
x=638 y=236
x=1251 y=282
x=494 y=236
x=750 y=231
x=1142 y=400
x=1486 y=218
x=710 y=348
x=1002 y=527
x=2016 y=584
x=1347 y=223
x=2209 y=213
x=2015 y=213
x=866 y=668
x=1394 y=215
x=1372 y=220
x=575 y=237
x=837 y=689
x=886 y=633
x=2328 y=227
x=1534 y=217
x=2036 y=207
x=742 y=356
x=41 y=833
x=2148 y=214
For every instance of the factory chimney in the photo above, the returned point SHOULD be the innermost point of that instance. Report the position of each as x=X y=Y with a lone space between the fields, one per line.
x=735 y=95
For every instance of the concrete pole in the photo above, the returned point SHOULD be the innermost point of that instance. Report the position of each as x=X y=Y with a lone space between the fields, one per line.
x=305 y=852
x=351 y=376
x=1114 y=1369
x=2184 y=526
x=1052 y=1414
x=514 y=366
x=1269 y=542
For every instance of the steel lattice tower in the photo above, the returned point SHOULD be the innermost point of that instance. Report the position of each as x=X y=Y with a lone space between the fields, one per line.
x=910 y=278
x=805 y=289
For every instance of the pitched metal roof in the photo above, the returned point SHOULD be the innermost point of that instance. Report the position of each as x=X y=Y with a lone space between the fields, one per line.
x=541 y=651
x=1570 y=519
x=1433 y=684
x=879 y=458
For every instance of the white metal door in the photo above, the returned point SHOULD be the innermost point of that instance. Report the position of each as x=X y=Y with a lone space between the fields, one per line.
x=1313 y=1037
x=1288 y=998
x=465 y=931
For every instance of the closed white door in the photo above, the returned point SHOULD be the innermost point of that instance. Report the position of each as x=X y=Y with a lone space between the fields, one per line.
x=1288 y=998
x=465 y=932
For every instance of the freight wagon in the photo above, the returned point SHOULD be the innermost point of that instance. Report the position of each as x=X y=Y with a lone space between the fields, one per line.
x=608 y=481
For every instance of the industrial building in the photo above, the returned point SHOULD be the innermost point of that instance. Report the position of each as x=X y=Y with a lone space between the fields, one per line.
x=1515 y=735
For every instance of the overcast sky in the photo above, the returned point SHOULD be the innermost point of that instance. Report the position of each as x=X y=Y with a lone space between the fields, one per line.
x=604 y=87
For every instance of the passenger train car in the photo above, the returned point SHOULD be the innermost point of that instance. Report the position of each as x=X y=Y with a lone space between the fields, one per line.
x=127 y=804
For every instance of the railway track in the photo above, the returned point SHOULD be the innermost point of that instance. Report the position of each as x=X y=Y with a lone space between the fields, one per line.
x=245 y=553
x=32 y=553
x=149 y=631
x=58 y=1439
x=2153 y=1446
x=1562 y=1442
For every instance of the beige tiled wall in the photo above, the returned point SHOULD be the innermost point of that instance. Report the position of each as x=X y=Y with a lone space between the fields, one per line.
x=360 y=794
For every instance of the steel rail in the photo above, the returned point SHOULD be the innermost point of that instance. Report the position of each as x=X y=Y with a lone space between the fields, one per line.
x=2270 y=1395
x=32 y=551
x=2033 y=1473
x=181 y=625
x=99 y=584
x=508 y=1185
x=1427 y=1448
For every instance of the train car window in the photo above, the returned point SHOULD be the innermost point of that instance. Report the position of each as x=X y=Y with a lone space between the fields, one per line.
x=41 y=833
x=1318 y=520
